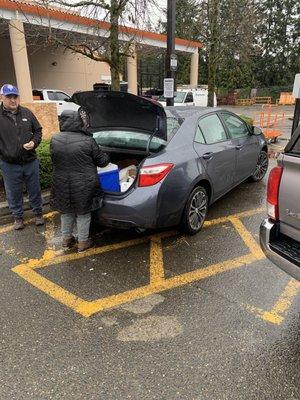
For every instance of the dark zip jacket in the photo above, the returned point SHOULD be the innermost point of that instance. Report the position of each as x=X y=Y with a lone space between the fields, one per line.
x=15 y=132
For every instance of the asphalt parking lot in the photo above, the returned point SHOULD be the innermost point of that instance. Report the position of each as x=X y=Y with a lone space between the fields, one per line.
x=153 y=316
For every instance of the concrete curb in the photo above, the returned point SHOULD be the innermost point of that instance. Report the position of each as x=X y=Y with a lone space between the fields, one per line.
x=4 y=209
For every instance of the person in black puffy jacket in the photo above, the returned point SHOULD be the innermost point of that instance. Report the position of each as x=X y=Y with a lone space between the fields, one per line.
x=75 y=185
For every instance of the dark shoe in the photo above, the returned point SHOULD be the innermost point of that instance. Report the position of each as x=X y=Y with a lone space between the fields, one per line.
x=84 y=245
x=68 y=242
x=18 y=224
x=39 y=220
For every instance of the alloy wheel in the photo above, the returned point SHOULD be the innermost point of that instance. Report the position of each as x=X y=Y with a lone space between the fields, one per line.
x=261 y=166
x=197 y=211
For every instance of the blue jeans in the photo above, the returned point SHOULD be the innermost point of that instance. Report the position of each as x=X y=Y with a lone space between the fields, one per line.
x=83 y=225
x=15 y=176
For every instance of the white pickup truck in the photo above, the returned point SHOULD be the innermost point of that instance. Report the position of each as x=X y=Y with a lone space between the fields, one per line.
x=55 y=96
x=189 y=97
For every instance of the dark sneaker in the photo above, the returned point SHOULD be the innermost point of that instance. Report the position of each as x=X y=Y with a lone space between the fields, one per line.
x=68 y=242
x=39 y=220
x=84 y=245
x=18 y=224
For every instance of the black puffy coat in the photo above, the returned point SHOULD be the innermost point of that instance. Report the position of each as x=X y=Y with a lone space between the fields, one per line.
x=75 y=157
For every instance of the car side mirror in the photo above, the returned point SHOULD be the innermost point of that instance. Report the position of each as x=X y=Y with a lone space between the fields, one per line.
x=256 y=131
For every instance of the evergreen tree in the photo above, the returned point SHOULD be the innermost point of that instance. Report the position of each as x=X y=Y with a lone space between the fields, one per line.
x=279 y=39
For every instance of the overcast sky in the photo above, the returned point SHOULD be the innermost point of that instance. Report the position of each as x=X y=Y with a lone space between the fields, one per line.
x=157 y=13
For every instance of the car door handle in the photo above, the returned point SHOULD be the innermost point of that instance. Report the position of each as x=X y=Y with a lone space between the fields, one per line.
x=208 y=156
x=239 y=146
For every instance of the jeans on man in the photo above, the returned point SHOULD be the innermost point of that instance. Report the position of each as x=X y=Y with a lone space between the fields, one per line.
x=83 y=225
x=15 y=176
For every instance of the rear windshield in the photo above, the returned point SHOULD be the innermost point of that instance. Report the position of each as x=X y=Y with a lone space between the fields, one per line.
x=132 y=140
x=123 y=139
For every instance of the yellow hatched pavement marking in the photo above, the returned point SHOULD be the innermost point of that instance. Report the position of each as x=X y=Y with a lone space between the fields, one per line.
x=157 y=272
x=52 y=289
x=247 y=238
x=278 y=312
x=158 y=282
x=161 y=285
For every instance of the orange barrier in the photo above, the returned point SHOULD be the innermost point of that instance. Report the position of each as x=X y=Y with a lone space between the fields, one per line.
x=244 y=102
x=262 y=100
x=253 y=100
x=270 y=120
x=286 y=99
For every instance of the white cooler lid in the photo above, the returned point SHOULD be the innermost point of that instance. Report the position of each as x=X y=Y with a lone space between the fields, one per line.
x=108 y=168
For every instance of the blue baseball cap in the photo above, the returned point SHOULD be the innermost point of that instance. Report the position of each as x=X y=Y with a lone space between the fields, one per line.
x=8 y=89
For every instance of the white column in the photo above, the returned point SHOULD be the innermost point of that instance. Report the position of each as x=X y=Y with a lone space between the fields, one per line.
x=20 y=57
x=194 y=69
x=132 y=71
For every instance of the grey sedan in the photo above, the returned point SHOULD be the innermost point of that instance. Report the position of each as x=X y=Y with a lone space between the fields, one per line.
x=185 y=158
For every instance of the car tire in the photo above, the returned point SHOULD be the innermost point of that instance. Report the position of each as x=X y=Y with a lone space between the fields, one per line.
x=261 y=167
x=195 y=211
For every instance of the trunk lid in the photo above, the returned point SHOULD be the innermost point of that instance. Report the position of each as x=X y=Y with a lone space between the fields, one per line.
x=118 y=110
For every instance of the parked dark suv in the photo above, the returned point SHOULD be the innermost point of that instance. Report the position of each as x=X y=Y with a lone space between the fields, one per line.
x=280 y=233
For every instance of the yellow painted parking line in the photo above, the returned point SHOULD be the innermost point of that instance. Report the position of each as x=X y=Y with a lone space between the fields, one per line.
x=243 y=214
x=60 y=259
x=10 y=227
x=50 y=215
x=165 y=284
x=158 y=282
x=207 y=272
x=55 y=257
x=50 y=288
x=157 y=272
x=284 y=302
x=247 y=238
x=277 y=314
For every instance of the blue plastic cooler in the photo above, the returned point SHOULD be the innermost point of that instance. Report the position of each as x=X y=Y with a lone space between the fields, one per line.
x=109 y=178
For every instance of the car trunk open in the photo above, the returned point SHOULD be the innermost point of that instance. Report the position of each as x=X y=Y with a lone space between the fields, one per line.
x=129 y=128
x=129 y=165
x=118 y=110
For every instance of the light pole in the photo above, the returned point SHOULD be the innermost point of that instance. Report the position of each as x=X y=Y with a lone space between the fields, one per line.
x=171 y=58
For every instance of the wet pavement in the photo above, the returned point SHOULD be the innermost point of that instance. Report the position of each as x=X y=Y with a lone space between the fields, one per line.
x=152 y=316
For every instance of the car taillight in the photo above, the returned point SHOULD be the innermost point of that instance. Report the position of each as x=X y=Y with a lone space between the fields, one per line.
x=152 y=174
x=273 y=192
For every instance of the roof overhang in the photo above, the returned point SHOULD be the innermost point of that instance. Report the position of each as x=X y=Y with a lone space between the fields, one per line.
x=58 y=19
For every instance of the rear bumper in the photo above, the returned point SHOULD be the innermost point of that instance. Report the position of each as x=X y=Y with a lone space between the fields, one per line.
x=136 y=209
x=139 y=208
x=268 y=236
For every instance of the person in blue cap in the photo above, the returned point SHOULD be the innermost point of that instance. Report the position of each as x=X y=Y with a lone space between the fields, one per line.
x=20 y=135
